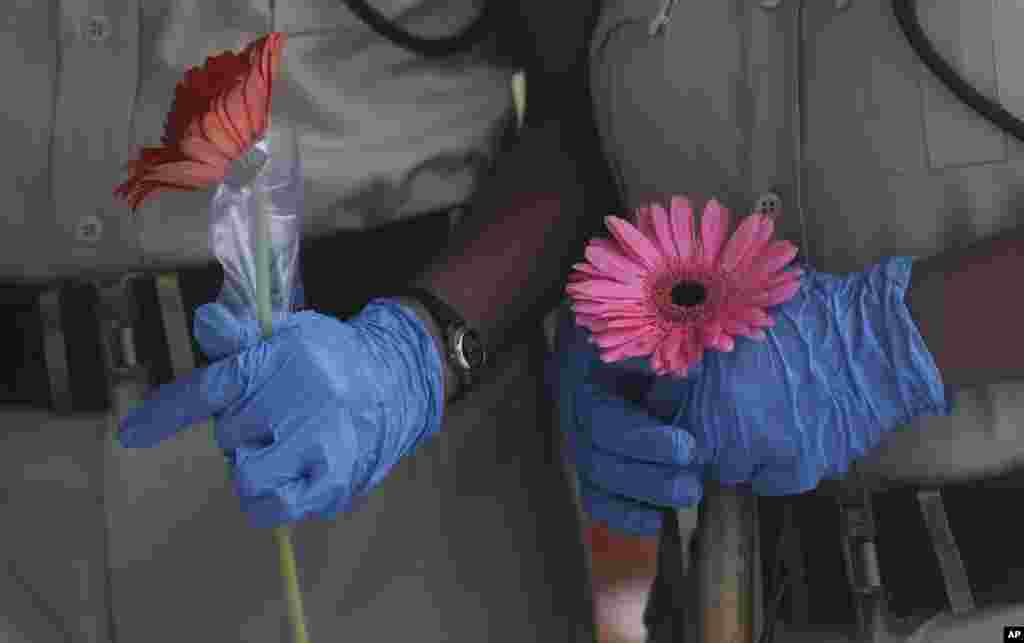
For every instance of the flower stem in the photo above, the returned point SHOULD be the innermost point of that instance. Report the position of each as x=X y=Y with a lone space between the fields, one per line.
x=282 y=535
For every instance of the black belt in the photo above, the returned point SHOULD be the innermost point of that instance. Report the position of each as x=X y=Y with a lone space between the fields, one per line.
x=341 y=273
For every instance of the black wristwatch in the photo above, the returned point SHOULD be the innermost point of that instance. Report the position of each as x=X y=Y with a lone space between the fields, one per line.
x=465 y=350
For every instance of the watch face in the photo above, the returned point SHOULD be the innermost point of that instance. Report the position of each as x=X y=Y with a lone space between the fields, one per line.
x=472 y=349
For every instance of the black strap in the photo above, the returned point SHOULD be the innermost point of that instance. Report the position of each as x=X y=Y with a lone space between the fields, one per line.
x=426 y=47
x=907 y=16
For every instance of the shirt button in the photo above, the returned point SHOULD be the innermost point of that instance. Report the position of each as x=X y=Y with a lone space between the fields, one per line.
x=89 y=229
x=96 y=29
x=768 y=204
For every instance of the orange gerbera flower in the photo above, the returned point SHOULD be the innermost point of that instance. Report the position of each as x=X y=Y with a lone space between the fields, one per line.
x=219 y=111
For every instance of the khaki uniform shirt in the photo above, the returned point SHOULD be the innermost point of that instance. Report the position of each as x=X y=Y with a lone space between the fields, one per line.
x=472 y=538
x=893 y=163
x=384 y=134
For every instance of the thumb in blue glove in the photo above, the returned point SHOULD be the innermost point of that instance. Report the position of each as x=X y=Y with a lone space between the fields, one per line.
x=629 y=462
x=313 y=417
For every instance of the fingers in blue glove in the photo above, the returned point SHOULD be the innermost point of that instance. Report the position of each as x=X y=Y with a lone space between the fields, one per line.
x=620 y=513
x=618 y=426
x=220 y=334
x=265 y=477
x=656 y=484
x=180 y=404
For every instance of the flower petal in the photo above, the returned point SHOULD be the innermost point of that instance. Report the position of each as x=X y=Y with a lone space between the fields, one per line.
x=662 y=226
x=605 y=289
x=187 y=174
x=641 y=347
x=635 y=243
x=774 y=257
x=200 y=149
x=714 y=228
x=674 y=353
x=754 y=316
x=709 y=334
x=586 y=321
x=764 y=234
x=621 y=336
x=742 y=242
x=255 y=93
x=642 y=217
x=233 y=104
x=611 y=308
x=725 y=343
x=693 y=347
x=587 y=270
x=216 y=133
x=635 y=324
x=776 y=295
x=612 y=263
x=681 y=219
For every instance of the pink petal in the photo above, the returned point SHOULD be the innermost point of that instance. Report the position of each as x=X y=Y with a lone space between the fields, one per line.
x=710 y=333
x=619 y=336
x=643 y=346
x=583 y=270
x=638 y=246
x=714 y=228
x=774 y=257
x=657 y=362
x=675 y=354
x=634 y=324
x=613 y=263
x=586 y=321
x=682 y=228
x=661 y=227
x=644 y=223
x=764 y=235
x=776 y=295
x=773 y=281
x=725 y=343
x=737 y=327
x=605 y=289
x=616 y=308
x=755 y=317
x=694 y=348
x=741 y=244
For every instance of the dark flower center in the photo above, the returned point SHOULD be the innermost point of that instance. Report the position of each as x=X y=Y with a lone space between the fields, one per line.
x=689 y=293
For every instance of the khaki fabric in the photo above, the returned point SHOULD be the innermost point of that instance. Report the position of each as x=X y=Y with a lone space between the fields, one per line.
x=474 y=537
x=384 y=134
x=894 y=164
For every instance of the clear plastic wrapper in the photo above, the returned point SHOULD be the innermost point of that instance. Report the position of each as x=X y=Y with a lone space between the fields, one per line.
x=266 y=183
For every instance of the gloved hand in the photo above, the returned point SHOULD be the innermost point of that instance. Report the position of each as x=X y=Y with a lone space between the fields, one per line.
x=843 y=365
x=313 y=417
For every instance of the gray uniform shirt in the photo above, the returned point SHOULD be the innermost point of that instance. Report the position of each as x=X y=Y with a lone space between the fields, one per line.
x=473 y=538
x=893 y=163
x=384 y=134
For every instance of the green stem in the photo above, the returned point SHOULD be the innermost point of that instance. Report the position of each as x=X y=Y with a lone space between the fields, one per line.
x=282 y=535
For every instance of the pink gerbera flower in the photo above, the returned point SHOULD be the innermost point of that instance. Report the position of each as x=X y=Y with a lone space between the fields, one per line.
x=663 y=290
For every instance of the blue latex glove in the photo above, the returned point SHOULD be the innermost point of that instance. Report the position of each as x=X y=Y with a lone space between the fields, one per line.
x=843 y=365
x=312 y=418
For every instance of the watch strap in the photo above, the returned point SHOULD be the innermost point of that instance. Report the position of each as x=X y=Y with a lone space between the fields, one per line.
x=454 y=331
